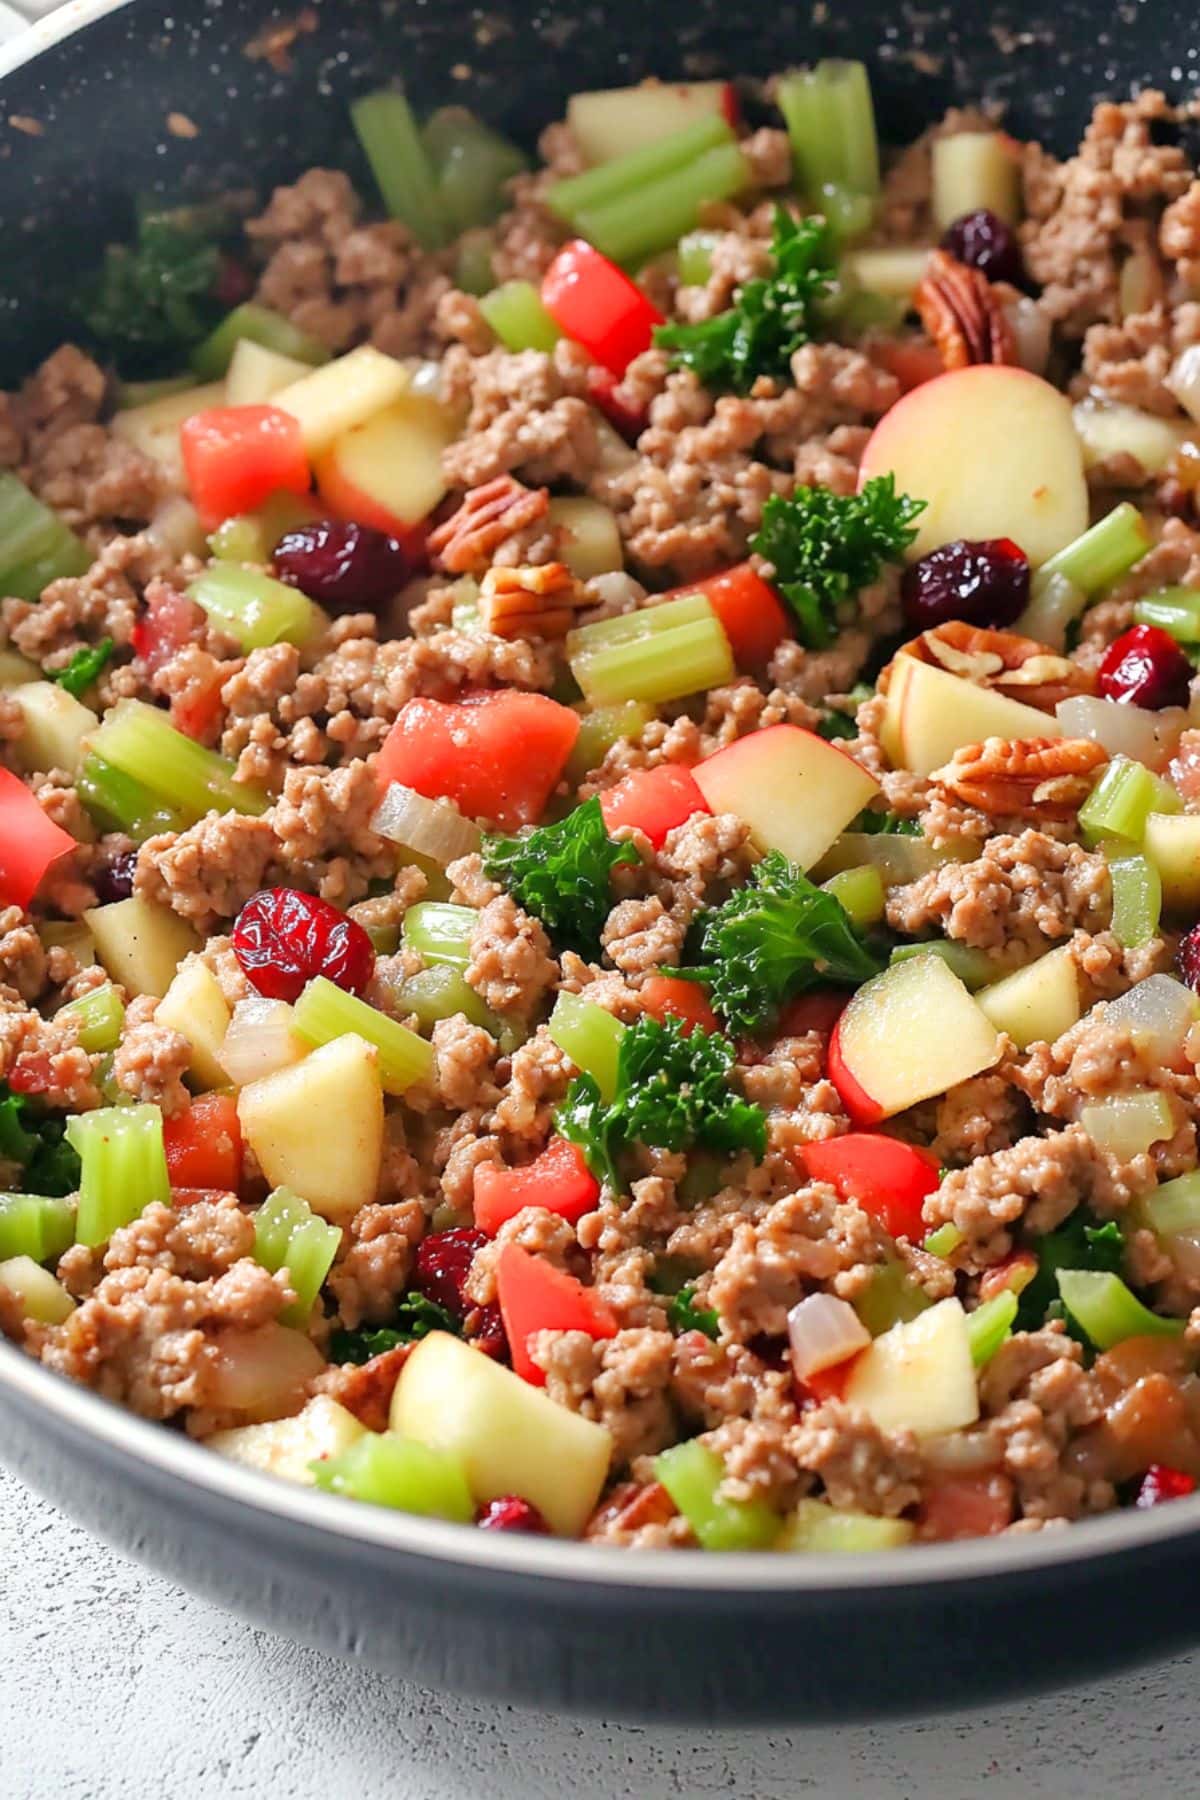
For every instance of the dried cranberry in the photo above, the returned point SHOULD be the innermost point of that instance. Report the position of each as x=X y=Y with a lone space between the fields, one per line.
x=485 y=1331
x=234 y=283
x=443 y=1264
x=986 y=243
x=341 y=564
x=1158 y=1484
x=282 y=938
x=984 y=583
x=511 y=1513
x=1145 y=667
x=114 y=880
x=1187 y=959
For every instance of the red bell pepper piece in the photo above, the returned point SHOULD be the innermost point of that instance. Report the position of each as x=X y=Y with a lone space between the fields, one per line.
x=751 y=613
x=888 y=1179
x=594 y=302
x=630 y=421
x=965 y=1506
x=238 y=456
x=535 y=1296
x=1161 y=1483
x=558 y=1180
x=828 y=1384
x=497 y=755
x=204 y=1145
x=671 y=997
x=29 y=841
x=654 y=800
x=818 y=1011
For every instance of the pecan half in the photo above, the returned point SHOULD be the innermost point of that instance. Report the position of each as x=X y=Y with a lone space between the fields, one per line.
x=629 y=1507
x=538 y=601
x=465 y=542
x=1049 y=777
x=962 y=315
x=1018 y=666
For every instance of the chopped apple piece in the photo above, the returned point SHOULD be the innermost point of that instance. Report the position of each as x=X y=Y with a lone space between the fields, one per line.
x=1172 y=844
x=972 y=170
x=195 y=1007
x=993 y=452
x=930 y=714
x=593 y=543
x=614 y=121
x=140 y=943
x=317 y=1126
x=1035 y=1004
x=257 y=374
x=509 y=1438
x=334 y=399
x=154 y=428
x=796 y=792
x=15 y=670
x=55 y=725
x=37 y=1293
x=286 y=1447
x=1125 y=431
x=919 y=1376
x=908 y=1034
x=388 y=471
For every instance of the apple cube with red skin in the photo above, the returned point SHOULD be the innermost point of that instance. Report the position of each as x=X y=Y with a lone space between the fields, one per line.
x=906 y=1035
x=614 y=121
x=796 y=792
x=993 y=452
x=387 y=472
x=930 y=714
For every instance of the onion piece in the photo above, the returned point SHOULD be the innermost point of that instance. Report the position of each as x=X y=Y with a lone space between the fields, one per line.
x=261 y=1373
x=1055 y=605
x=1123 y=730
x=1183 y=1247
x=823 y=1331
x=898 y=859
x=433 y=828
x=1183 y=380
x=1031 y=333
x=1128 y=1124
x=259 y=1039
x=1160 y=1012
x=176 y=527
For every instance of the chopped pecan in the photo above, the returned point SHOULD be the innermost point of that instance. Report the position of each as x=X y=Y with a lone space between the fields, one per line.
x=465 y=542
x=538 y=601
x=629 y=1507
x=1050 y=777
x=962 y=315
x=365 y=1389
x=1018 y=666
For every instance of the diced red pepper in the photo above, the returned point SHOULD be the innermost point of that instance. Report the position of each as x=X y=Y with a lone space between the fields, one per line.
x=965 y=1506
x=671 y=997
x=204 y=1145
x=169 y=622
x=888 y=1179
x=238 y=456
x=29 y=841
x=818 y=1011
x=913 y=361
x=558 y=1180
x=630 y=421
x=751 y=613
x=498 y=755
x=594 y=302
x=654 y=800
x=1161 y=1483
x=828 y=1384
x=535 y=1296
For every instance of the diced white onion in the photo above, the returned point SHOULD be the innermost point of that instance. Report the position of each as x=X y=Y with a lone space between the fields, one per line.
x=1184 y=380
x=258 y=1040
x=1031 y=333
x=1056 y=603
x=1123 y=730
x=176 y=527
x=1160 y=1012
x=959 y=1452
x=1183 y=1247
x=262 y=1373
x=1128 y=1124
x=433 y=828
x=823 y=1331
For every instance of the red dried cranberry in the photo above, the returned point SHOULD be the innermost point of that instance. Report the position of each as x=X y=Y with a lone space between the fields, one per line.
x=443 y=1264
x=1187 y=959
x=1160 y=1483
x=282 y=938
x=234 y=283
x=114 y=879
x=511 y=1513
x=485 y=1331
x=1145 y=667
x=986 y=243
x=984 y=583
x=340 y=564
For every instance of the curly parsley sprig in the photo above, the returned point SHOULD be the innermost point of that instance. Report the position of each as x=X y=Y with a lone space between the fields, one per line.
x=560 y=873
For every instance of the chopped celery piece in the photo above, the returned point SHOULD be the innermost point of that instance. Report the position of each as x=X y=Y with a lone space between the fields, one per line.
x=515 y=313
x=289 y=1234
x=591 y=1038
x=473 y=268
x=637 y=225
x=255 y=609
x=830 y=119
x=860 y=892
x=471 y=164
x=36 y=548
x=1107 y=1310
x=144 y=393
x=388 y=134
x=989 y=1325
x=890 y=1298
x=440 y=992
x=632 y=174
x=944 y=1241
x=816 y=1527
x=115 y=799
x=325 y=1011
x=1176 y=610
x=387 y=1470
x=252 y=537
x=212 y=358
x=140 y=741
x=668 y=665
x=695 y=257
x=1122 y=800
x=124 y=1168
x=691 y=1474
x=1052 y=611
x=440 y=931
x=847 y=213
x=1137 y=900
x=974 y=968
x=1129 y=1123
x=35 y=1225
x=645 y=622
x=600 y=728
x=1173 y=1207
x=100 y=1014
x=1103 y=554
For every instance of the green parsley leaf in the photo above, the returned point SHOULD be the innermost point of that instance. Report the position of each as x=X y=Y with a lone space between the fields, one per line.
x=560 y=873
x=874 y=823
x=683 y=1315
x=85 y=666
x=836 y=725
x=153 y=299
x=37 y=1145
x=416 y=1317
x=1079 y=1243
x=773 y=939
x=771 y=318
x=825 y=547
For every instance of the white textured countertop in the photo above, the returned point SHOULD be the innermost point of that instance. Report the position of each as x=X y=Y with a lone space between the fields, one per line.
x=114 y=1683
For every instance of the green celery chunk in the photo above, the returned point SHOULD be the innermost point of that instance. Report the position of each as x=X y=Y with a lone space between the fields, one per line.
x=890 y=1298
x=473 y=268
x=252 y=537
x=101 y=1015
x=1137 y=900
x=387 y=1470
x=634 y=173
x=1176 y=610
x=638 y=626
x=591 y=1038
x=440 y=992
x=472 y=164
x=255 y=609
x=1174 y=1206
x=288 y=1234
x=691 y=1474
x=124 y=1168
x=830 y=119
x=1102 y=555
x=860 y=891
x=116 y=800
x=140 y=741
x=669 y=665
x=847 y=213
x=1122 y=800
x=973 y=967
x=600 y=728
x=637 y=225
x=325 y=1011
x=816 y=1527
x=36 y=548
x=35 y=1225
x=515 y=313
x=211 y=359
x=695 y=257
x=392 y=144
x=441 y=931
x=944 y=1241
x=1108 y=1311
x=989 y=1325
